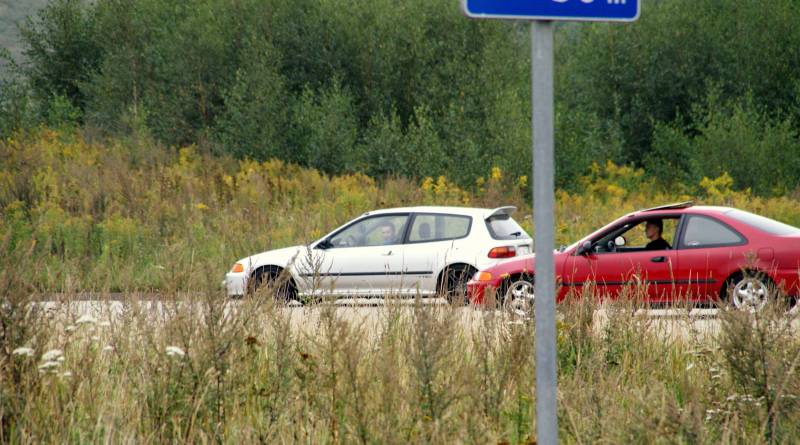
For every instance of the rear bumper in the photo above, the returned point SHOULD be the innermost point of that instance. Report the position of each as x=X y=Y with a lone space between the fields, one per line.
x=788 y=281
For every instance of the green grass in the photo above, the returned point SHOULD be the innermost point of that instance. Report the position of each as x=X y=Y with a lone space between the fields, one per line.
x=126 y=215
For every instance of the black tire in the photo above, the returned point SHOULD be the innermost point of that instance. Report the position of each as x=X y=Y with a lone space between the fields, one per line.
x=453 y=283
x=283 y=288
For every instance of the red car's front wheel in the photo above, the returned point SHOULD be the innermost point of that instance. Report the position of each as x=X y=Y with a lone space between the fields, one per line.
x=519 y=297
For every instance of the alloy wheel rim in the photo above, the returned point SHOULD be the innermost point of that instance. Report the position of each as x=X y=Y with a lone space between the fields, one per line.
x=519 y=298
x=750 y=295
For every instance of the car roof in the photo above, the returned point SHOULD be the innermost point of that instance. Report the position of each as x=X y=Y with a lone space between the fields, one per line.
x=470 y=211
x=684 y=207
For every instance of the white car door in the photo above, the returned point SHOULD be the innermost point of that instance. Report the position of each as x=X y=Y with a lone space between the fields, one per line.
x=435 y=239
x=364 y=258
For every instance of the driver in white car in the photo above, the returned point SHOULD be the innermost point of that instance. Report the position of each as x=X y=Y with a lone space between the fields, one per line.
x=389 y=234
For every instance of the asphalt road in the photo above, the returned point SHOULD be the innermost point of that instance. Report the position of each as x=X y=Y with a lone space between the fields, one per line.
x=370 y=312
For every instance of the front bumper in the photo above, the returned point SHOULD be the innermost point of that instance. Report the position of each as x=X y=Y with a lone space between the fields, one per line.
x=235 y=283
x=477 y=290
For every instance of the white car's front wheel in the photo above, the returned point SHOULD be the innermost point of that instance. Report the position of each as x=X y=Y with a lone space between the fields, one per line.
x=275 y=281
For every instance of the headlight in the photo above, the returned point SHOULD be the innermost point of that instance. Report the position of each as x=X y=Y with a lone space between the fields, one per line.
x=483 y=276
x=237 y=268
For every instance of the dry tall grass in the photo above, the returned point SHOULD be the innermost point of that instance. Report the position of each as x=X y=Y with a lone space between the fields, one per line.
x=196 y=368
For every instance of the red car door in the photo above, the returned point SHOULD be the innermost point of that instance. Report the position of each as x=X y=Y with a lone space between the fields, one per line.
x=615 y=268
x=641 y=274
x=707 y=247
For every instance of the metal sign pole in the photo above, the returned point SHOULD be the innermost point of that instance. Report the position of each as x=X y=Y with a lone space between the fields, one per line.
x=543 y=209
x=542 y=13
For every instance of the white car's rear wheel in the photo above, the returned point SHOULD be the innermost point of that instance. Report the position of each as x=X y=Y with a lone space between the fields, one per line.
x=453 y=283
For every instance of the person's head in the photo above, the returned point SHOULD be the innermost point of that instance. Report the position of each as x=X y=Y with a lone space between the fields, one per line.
x=424 y=231
x=388 y=233
x=653 y=229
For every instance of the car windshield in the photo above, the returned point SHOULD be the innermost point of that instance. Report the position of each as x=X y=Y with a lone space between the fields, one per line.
x=763 y=223
x=503 y=227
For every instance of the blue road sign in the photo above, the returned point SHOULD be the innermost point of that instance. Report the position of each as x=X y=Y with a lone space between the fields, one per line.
x=591 y=10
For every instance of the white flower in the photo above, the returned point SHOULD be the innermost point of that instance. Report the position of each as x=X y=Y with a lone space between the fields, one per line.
x=86 y=319
x=689 y=366
x=53 y=355
x=49 y=365
x=108 y=348
x=27 y=352
x=66 y=374
x=174 y=351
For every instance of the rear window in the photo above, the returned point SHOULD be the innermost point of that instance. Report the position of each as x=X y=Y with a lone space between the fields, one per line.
x=431 y=227
x=504 y=227
x=763 y=223
x=702 y=231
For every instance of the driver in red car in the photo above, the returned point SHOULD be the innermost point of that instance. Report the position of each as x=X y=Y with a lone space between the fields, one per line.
x=652 y=230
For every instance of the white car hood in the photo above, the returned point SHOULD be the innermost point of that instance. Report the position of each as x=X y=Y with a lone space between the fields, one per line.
x=278 y=257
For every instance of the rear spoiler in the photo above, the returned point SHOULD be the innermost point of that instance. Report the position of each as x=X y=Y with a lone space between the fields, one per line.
x=500 y=211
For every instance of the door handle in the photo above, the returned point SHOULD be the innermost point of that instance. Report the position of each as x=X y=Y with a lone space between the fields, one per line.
x=658 y=259
x=389 y=253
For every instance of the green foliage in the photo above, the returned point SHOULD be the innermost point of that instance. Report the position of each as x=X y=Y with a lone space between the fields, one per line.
x=326 y=129
x=657 y=70
x=16 y=106
x=415 y=89
x=761 y=153
x=63 y=50
x=255 y=118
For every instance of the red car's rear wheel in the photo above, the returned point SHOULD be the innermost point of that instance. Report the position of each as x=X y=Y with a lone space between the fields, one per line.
x=750 y=291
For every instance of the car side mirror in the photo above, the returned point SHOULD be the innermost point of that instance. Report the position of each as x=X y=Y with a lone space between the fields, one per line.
x=585 y=248
x=620 y=241
x=324 y=244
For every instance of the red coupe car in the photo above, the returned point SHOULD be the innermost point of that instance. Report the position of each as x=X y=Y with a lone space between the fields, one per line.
x=676 y=252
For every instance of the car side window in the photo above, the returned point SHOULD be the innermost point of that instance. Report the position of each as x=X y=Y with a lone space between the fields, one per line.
x=606 y=244
x=702 y=231
x=635 y=235
x=382 y=230
x=431 y=227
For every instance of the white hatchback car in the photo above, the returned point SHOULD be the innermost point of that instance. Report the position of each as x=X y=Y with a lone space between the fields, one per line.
x=399 y=252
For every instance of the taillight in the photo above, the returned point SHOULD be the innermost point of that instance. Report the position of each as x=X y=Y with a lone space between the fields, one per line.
x=503 y=252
